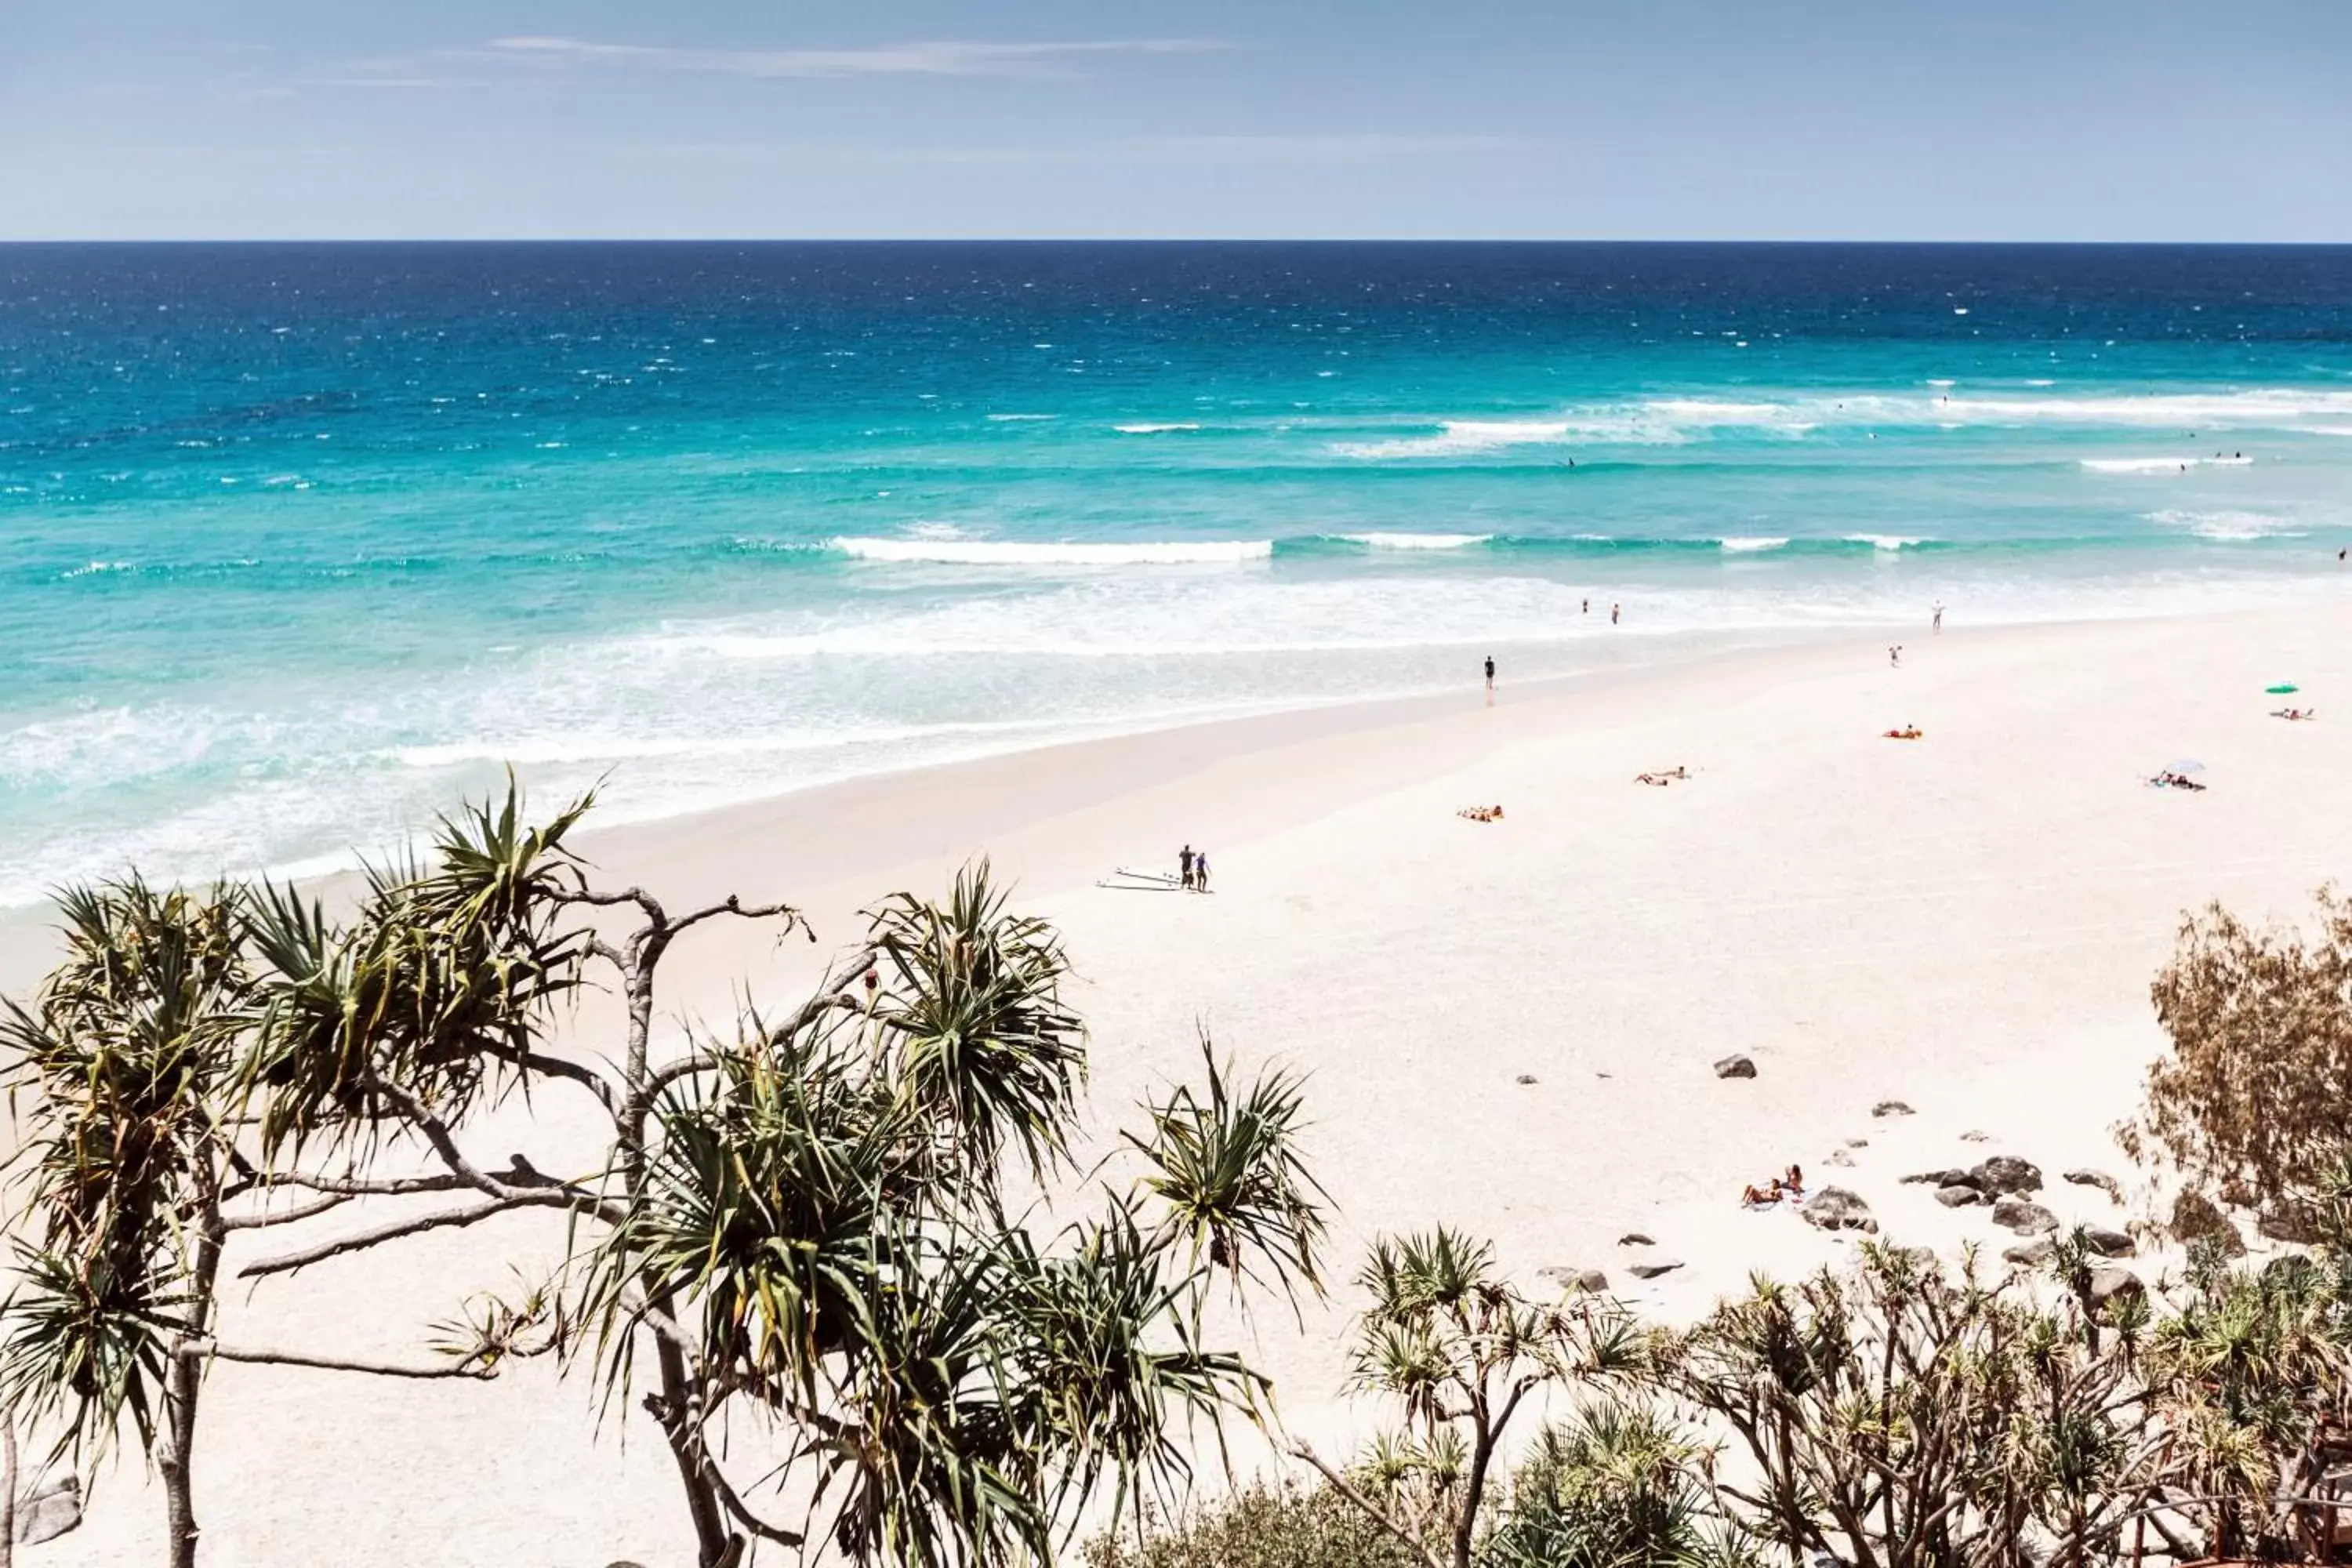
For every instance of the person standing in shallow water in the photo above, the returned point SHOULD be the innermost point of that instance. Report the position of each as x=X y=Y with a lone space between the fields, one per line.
x=1614 y=611
x=1490 y=680
x=1936 y=625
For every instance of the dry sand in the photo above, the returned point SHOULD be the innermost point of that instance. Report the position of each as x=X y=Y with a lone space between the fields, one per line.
x=1966 y=923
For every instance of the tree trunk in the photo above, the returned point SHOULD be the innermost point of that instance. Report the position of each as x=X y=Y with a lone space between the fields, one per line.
x=1466 y=1529
x=714 y=1540
x=184 y=1378
x=8 y=1488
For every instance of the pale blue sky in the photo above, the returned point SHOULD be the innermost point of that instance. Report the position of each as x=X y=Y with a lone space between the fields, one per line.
x=1572 y=119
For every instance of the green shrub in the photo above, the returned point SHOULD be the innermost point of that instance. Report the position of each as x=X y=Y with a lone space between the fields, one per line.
x=1615 y=1486
x=1261 y=1527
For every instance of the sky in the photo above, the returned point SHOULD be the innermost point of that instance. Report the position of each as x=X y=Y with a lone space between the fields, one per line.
x=1963 y=120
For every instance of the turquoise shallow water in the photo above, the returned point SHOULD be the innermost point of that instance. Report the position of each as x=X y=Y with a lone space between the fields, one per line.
x=296 y=542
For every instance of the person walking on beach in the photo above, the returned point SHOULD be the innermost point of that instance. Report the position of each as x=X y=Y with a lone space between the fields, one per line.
x=1895 y=656
x=1938 y=624
x=1614 y=611
x=1588 y=603
x=1201 y=872
x=1184 y=862
x=1490 y=677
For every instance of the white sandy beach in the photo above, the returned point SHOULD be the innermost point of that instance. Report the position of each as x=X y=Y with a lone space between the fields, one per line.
x=1966 y=923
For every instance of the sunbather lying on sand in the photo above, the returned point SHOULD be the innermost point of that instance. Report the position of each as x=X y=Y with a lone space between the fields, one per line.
x=1481 y=813
x=1908 y=732
x=2170 y=780
x=1662 y=779
x=2295 y=714
x=1789 y=1185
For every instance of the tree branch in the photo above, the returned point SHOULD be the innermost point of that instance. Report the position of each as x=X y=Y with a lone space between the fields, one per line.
x=443 y=1219
x=733 y=905
x=315 y=1206
x=202 y=1350
x=1367 y=1506
x=555 y=1066
x=637 y=896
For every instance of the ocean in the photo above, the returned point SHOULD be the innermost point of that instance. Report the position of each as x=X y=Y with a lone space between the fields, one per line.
x=300 y=543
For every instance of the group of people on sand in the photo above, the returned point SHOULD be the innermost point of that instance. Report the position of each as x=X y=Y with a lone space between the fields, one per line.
x=2294 y=715
x=1192 y=870
x=1789 y=1184
x=1662 y=779
x=2169 y=779
x=1908 y=732
x=1481 y=813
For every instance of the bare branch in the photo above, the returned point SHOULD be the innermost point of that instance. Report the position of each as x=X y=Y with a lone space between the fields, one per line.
x=687 y=1438
x=315 y=1206
x=202 y=1350
x=733 y=905
x=637 y=896
x=555 y=1066
x=1368 y=1508
x=443 y=1219
x=366 y=1188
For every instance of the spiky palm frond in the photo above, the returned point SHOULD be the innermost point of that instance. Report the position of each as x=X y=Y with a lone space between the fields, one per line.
x=85 y=1344
x=1227 y=1170
x=127 y=1056
x=1106 y=1366
x=760 y=1197
x=976 y=1036
x=920 y=1452
x=441 y=985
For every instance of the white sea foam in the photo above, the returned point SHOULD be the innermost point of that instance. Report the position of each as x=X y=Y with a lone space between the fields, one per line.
x=1461 y=437
x=1416 y=541
x=1010 y=553
x=1019 y=418
x=1666 y=421
x=1743 y=546
x=1885 y=541
x=1154 y=429
x=2230 y=525
x=2160 y=465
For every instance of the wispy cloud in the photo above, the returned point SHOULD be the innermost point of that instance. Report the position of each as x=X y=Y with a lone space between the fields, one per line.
x=1339 y=147
x=938 y=57
x=1130 y=152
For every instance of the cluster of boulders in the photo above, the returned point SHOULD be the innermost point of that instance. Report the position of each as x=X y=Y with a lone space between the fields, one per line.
x=2002 y=1183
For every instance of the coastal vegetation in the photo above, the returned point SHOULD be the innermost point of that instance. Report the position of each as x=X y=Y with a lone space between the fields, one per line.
x=806 y=1229
x=813 y=1251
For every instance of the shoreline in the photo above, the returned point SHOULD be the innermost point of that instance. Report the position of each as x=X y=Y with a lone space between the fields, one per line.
x=1508 y=1028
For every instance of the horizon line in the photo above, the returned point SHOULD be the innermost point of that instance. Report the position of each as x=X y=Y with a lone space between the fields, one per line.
x=193 y=240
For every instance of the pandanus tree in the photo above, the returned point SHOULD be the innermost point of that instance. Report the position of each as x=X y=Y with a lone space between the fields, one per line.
x=1455 y=1345
x=804 y=1232
x=131 y=1068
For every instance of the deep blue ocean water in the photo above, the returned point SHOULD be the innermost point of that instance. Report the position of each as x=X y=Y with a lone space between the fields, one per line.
x=297 y=543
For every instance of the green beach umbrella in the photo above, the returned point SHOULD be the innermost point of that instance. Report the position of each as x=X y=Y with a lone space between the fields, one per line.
x=2282 y=688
